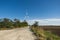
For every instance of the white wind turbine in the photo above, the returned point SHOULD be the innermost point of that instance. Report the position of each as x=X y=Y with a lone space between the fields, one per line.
x=26 y=16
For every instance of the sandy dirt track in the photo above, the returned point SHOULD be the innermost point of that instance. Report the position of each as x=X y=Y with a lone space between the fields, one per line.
x=17 y=34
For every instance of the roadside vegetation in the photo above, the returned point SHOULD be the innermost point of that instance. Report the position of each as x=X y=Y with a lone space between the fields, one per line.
x=6 y=23
x=43 y=34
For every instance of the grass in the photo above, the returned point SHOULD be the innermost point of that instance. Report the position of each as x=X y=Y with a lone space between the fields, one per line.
x=51 y=35
x=44 y=35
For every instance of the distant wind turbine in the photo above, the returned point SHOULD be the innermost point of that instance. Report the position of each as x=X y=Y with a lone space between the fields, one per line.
x=26 y=16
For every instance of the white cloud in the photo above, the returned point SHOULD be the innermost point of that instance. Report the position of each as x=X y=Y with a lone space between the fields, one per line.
x=45 y=21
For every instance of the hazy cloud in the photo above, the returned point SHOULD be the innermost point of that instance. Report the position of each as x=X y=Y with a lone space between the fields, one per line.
x=45 y=21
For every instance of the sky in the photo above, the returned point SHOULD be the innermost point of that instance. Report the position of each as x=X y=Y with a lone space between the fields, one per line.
x=45 y=10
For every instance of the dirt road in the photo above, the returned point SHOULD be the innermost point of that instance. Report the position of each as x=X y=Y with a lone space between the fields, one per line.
x=17 y=34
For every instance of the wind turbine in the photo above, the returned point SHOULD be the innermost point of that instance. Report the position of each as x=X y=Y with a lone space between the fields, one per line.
x=26 y=16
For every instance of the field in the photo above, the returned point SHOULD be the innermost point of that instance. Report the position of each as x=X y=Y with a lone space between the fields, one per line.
x=47 y=32
x=53 y=29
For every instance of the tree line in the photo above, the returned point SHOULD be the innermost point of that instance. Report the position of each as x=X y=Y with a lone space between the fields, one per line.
x=8 y=23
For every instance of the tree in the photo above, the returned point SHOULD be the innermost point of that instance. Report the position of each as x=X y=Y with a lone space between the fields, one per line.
x=17 y=23
x=35 y=24
x=24 y=23
x=6 y=23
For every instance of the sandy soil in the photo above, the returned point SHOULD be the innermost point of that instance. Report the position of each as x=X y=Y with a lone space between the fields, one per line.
x=17 y=34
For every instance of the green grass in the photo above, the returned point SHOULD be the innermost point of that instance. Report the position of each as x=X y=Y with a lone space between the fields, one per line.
x=51 y=35
x=46 y=35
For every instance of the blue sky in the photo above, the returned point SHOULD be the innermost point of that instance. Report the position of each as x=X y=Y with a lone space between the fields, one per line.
x=37 y=9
